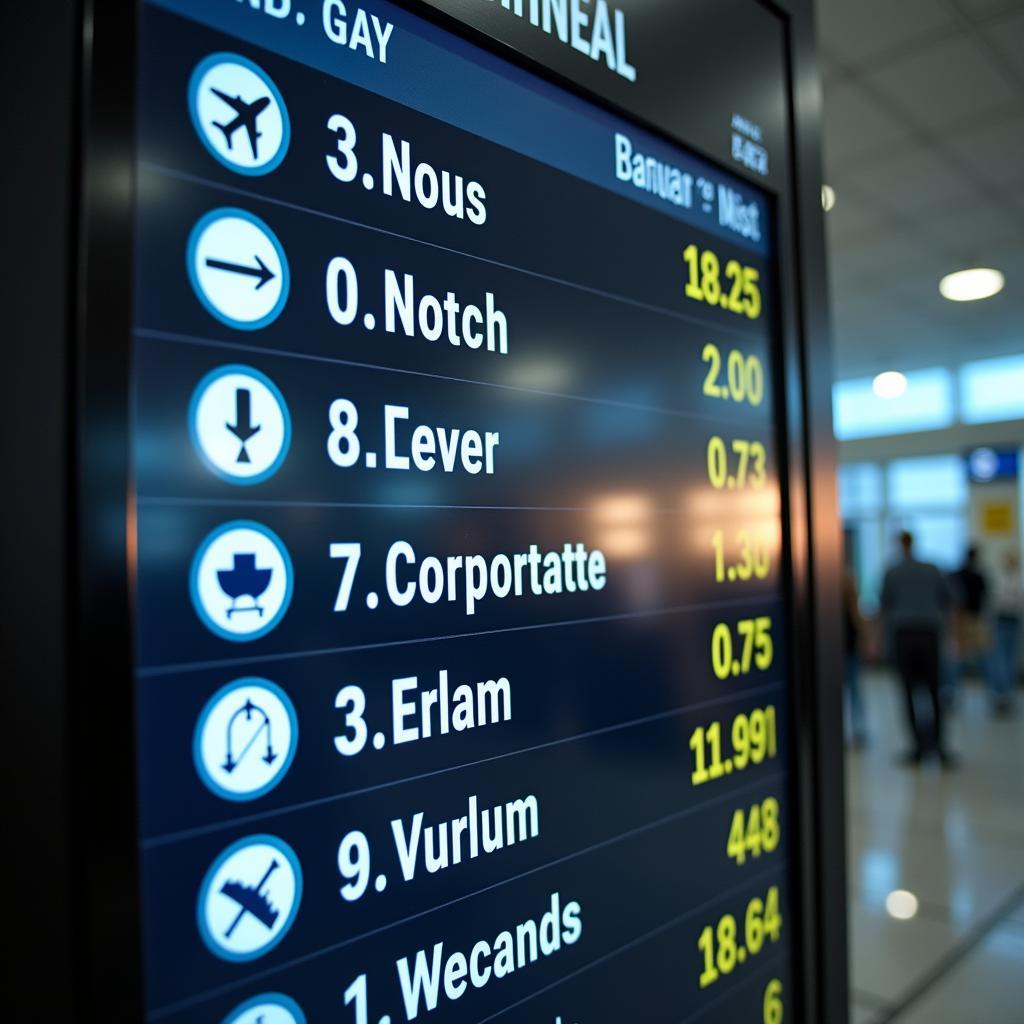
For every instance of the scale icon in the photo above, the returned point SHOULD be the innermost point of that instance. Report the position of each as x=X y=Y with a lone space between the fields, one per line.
x=238 y=113
x=237 y=268
x=245 y=739
x=249 y=898
x=240 y=424
x=269 y=1008
x=241 y=580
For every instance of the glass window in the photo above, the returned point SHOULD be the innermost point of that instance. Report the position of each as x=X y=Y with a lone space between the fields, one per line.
x=992 y=389
x=929 y=482
x=927 y=404
x=860 y=488
x=865 y=538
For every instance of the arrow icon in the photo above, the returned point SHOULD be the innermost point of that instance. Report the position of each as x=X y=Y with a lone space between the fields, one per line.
x=231 y=762
x=243 y=427
x=227 y=249
x=245 y=739
x=262 y=271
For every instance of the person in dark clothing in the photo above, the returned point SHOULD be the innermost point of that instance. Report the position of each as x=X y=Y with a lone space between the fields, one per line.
x=916 y=601
x=971 y=584
x=1008 y=606
x=853 y=627
x=971 y=591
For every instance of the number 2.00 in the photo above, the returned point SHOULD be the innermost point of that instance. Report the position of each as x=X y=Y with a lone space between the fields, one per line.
x=744 y=378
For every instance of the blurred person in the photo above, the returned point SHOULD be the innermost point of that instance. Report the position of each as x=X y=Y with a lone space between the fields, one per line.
x=853 y=639
x=916 y=603
x=970 y=589
x=1007 y=608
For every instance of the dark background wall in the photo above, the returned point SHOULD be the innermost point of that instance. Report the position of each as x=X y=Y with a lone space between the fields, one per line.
x=39 y=72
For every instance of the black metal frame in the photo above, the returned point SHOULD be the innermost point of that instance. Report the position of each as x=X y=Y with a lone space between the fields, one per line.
x=79 y=887
x=816 y=546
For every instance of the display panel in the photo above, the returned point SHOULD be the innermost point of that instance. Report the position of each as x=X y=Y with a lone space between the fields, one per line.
x=459 y=558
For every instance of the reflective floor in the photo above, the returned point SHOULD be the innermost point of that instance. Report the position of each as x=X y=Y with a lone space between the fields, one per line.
x=955 y=840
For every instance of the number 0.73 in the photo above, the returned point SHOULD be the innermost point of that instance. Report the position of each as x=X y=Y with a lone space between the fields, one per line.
x=746 y=464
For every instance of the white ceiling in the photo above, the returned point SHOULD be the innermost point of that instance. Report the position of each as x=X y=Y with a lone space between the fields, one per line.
x=924 y=146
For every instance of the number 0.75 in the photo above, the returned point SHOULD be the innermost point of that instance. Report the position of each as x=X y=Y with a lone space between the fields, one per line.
x=735 y=649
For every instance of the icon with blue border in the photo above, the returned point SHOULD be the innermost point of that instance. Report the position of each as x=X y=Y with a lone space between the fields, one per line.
x=238 y=113
x=238 y=268
x=241 y=580
x=269 y=1008
x=239 y=424
x=249 y=898
x=245 y=739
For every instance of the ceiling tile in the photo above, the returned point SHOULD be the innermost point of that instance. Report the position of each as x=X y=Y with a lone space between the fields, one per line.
x=993 y=151
x=987 y=8
x=924 y=144
x=852 y=218
x=971 y=229
x=854 y=31
x=1006 y=35
x=949 y=82
x=1016 y=197
x=885 y=337
x=878 y=258
x=910 y=182
x=855 y=124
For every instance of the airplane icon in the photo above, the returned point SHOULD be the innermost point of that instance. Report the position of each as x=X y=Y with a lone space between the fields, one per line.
x=247 y=113
x=229 y=94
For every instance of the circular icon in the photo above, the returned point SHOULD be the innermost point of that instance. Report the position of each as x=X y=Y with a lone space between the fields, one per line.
x=240 y=424
x=237 y=268
x=984 y=463
x=238 y=113
x=245 y=739
x=269 y=1008
x=249 y=898
x=241 y=580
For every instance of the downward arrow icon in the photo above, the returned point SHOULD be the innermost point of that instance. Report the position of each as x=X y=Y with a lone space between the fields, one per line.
x=243 y=427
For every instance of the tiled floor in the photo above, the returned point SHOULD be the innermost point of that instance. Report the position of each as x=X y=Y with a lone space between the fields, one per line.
x=956 y=841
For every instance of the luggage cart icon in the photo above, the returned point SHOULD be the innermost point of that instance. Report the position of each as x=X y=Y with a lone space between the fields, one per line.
x=244 y=580
x=240 y=580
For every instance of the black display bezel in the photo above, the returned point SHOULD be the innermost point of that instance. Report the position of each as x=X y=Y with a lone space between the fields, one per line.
x=104 y=970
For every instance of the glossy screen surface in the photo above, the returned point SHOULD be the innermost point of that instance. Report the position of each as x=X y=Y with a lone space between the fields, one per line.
x=460 y=568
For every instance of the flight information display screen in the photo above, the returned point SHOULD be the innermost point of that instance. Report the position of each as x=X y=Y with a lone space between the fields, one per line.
x=458 y=556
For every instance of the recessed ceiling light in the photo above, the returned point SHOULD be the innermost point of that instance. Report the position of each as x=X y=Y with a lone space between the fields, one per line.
x=901 y=904
x=891 y=384
x=828 y=197
x=969 y=285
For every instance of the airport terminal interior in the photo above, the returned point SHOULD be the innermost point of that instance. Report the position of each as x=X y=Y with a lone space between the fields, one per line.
x=924 y=149
x=518 y=511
